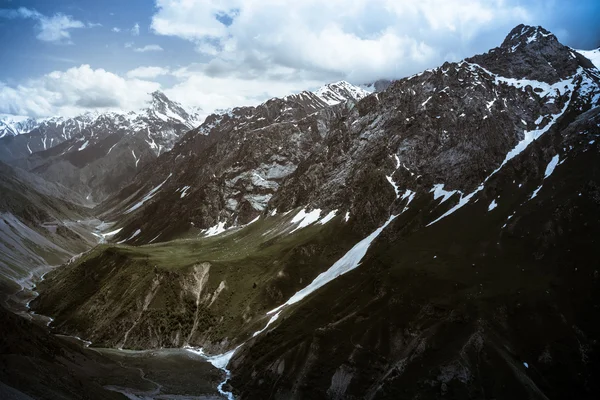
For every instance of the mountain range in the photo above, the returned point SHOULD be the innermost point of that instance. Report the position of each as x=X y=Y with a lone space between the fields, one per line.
x=431 y=237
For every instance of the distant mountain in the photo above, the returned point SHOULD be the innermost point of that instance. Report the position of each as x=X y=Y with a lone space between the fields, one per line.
x=163 y=121
x=339 y=92
x=37 y=227
x=11 y=125
x=235 y=161
x=99 y=153
x=377 y=86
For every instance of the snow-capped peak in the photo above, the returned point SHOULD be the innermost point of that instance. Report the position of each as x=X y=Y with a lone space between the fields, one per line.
x=338 y=92
x=163 y=108
x=12 y=125
x=592 y=55
x=525 y=35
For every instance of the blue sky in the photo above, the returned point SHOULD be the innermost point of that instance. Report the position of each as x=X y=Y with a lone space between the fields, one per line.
x=67 y=56
x=98 y=46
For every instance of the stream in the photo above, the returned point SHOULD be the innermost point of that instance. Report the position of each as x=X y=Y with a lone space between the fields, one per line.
x=172 y=373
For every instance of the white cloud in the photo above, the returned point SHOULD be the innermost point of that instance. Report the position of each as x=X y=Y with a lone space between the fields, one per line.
x=358 y=40
x=55 y=28
x=190 y=19
x=135 y=31
x=197 y=88
x=147 y=72
x=74 y=91
x=115 y=29
x=149 y=47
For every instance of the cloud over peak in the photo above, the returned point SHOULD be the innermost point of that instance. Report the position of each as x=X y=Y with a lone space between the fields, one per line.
x=358 y=40
x=74 y=91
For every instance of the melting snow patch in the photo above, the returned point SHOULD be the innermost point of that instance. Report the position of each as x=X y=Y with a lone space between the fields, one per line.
x=147 y=197
x=328 y=217
x=112 y=233
x=347 y=216
x=305 y=219
x=82 y=146
x=154 y=238
x=253 y=221
x=551 y=165
x=409 y=194
x=438 y=191
x=137 y=232
x=184 y=192
x=347 y=263
x=396 y=188
x=112 y=147
x=530 y=136
x=492 y=205
x=215 y=230
x=526 y=365
x=137 y=160
x=549 y=170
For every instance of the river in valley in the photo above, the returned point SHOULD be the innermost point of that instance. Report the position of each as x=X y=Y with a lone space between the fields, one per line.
x=153 y=374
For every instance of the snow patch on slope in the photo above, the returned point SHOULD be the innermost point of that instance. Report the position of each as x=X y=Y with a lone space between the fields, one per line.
x=549 y=170
x=592 y=55
x=347 y=263
x=305 y=219
x=216 y=230
x=150 y=195
x=564 y=86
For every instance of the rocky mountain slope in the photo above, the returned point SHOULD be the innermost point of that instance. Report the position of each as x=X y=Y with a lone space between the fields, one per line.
x=97 y=154
x=432 y=240
x=39 y=226
x=225 y=172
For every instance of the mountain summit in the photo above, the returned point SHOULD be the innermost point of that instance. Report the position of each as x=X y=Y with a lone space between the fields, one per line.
x=531 y=53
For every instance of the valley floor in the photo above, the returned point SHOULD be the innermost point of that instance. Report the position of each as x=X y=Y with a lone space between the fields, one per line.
x=61 y=362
